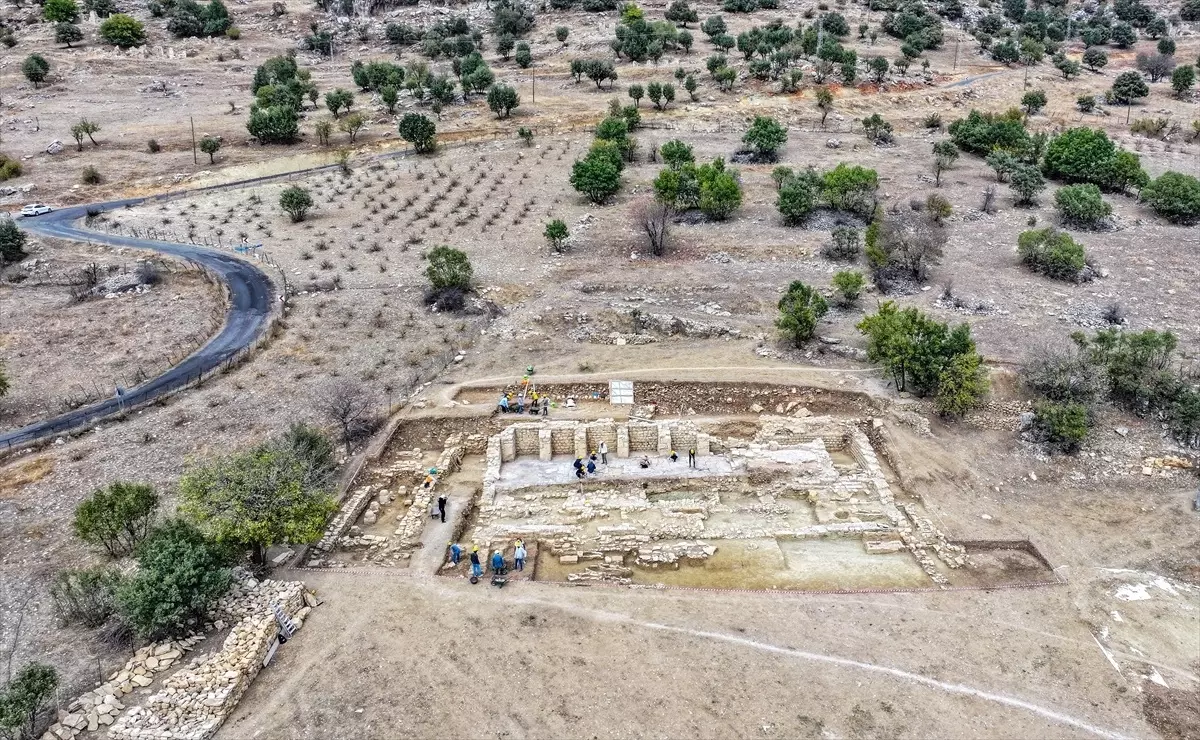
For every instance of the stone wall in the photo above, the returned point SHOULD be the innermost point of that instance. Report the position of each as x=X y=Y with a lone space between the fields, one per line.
x=527 y=441
x=643 y=438
x=196 y=699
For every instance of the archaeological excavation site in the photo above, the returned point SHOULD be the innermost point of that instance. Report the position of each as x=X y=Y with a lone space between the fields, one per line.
x=746 y=495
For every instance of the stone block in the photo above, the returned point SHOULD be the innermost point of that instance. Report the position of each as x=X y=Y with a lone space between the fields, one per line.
x=508 y=444
x=664 y=439
x=622 y=441
x=545 y=445
x=581 y=448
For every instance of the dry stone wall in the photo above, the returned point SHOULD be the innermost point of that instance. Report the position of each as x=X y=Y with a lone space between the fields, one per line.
x=195 y=700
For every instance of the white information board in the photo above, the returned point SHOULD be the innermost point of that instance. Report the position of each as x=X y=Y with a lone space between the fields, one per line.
x=620 y=392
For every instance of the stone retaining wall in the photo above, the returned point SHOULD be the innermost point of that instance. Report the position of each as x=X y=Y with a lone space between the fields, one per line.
x=192 y=703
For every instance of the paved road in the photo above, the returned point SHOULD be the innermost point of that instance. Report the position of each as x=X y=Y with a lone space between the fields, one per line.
x=250 y=293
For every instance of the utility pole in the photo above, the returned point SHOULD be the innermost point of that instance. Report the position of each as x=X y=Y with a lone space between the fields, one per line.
x=956 y=40
x=534 y=100
x=195 y=159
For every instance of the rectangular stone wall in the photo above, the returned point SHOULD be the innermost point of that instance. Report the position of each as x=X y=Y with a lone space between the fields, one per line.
x=643 y=438
x=683 y=438
x=602 y=431
x=562 y=440
x=527 y=441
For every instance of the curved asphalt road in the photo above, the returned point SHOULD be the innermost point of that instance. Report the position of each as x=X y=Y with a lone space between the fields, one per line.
x=250 y=293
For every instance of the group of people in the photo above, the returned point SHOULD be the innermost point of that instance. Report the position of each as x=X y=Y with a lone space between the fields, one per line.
x=498 y=563
x=582 y=469
x=535 y=403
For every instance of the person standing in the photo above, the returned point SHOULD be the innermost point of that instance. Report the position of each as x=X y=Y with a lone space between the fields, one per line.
x=519 y=555
x=545 y=405
x=692 y=457
x=455 y=553
x=442 y=506
x=476 y=567
x=604 y=452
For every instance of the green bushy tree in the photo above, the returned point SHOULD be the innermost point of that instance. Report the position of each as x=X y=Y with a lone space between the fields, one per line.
x=1175 y=197
x=180 y=574
x=1051 y=252
x=1082 y=205
x=123 y=31
x=295 y=202
x=117 y=517
x=800 y=308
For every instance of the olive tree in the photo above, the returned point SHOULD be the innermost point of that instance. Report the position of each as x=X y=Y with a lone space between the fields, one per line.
x=295 y=201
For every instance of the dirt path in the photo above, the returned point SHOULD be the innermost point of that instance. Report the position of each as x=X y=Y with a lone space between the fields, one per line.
x=548 y=661
x=428 y=558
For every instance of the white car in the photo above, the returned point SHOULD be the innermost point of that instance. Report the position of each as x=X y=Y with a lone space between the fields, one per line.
x=35 y=209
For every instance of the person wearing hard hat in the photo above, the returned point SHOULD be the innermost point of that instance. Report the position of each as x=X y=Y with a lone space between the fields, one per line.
x=476 y=566
x=497 y=562
x=519 y=555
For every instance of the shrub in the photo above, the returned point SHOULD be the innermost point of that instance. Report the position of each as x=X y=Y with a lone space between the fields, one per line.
x=12 y=242
x=1064 y=425
x=526 y=135
x=561 y=33
x=797 y=198
x=9 y=168
x=60 y=11
x=1051 y=252
x=277 y=124
x=877 y=130
x=36 y=69
x=1081 y=205
x=116 y=517
x=961 y=385
x=1094 y=59
x=418 y=131
x=849 y=285
x=676 y=154
x=338 y=99
x=448 y=268
x=123 y=31
x=765 y=136
x=266 y=495
x=1175 y=197
x=153 y=146
x=983 y=133
x=523 y=57
x=945 y=153
x=1088 y=155
x=180 y=574
x=1027 y=181
x=850 y=188
x=87 y=596
x=1182 y=80
x=939 y=208
x=845 y=244
x=597 y=175
x=800 y=308
x=556 y=233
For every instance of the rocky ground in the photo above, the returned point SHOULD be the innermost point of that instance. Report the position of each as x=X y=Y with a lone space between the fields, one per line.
x=702 y=313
